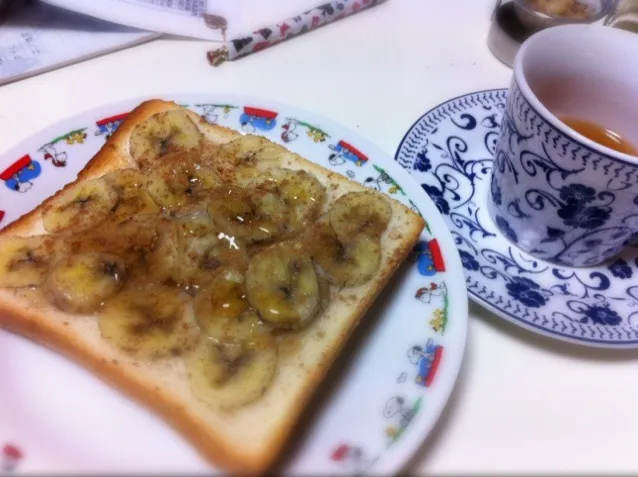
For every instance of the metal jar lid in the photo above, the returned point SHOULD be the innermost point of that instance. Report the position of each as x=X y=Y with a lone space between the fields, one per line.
x=514 y=21
x=506 y=34
x=624 y=16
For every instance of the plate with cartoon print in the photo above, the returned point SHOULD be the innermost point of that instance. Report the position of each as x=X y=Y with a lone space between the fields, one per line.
x=378 y=405
x=449 y=151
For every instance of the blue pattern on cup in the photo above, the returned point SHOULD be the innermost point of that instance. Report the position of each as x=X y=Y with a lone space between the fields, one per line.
x=558 y=199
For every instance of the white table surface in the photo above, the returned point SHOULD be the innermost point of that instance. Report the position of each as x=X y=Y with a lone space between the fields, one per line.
x=523 y=403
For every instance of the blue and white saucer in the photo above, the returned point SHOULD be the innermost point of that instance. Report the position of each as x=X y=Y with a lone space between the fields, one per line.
x=449 y=151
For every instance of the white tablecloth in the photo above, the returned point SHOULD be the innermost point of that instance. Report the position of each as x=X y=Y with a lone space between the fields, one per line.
x=523 y=402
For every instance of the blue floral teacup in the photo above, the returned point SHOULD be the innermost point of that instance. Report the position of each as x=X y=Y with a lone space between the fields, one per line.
x=555 y=193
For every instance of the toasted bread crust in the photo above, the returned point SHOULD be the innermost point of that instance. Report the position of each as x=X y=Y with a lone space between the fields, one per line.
x=59 y=335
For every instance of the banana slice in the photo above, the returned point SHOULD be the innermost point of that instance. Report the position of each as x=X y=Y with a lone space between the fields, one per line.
x=282 y=285
x=162 y=134
x=152 y=321
x=243 y=148
x=359 y=213
x=132 y=197
x=253 y=216
x=236 y=371
x=168 y=260
x=131 y=239
x=346 y=264
x=219 y=305
x=180 y=182
x=193 y=223
x=165 y=257
x=302 y=193
x=80 y=283
x=204 y=255
x=189 y=252
x=79 y=207
x=325 y=292
x=247 y=157
x=25 y=261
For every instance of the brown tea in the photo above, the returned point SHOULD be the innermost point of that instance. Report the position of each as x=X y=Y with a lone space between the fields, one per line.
x=601 y=135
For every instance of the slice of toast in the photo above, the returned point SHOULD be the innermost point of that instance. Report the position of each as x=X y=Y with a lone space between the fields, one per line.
x=249 y=438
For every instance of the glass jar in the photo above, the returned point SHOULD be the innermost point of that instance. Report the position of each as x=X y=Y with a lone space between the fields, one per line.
x=624 y=15
x=536 y=15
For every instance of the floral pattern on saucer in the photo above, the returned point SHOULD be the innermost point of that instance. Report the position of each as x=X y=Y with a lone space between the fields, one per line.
x=449 y=151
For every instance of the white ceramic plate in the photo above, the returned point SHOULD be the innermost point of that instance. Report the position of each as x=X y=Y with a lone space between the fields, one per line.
x=384 y=395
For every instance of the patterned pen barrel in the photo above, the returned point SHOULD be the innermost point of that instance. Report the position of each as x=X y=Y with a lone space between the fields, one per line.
x=290 y=27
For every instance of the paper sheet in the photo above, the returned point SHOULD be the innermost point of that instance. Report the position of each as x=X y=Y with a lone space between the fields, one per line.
x=42 y=35
x=38 y=37
x=204 y=19
x=191 y=18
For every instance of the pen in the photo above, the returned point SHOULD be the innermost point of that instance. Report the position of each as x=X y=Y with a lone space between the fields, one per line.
x=294 y=26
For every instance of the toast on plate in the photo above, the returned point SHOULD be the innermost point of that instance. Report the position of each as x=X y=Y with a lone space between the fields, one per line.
x=211 y=276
